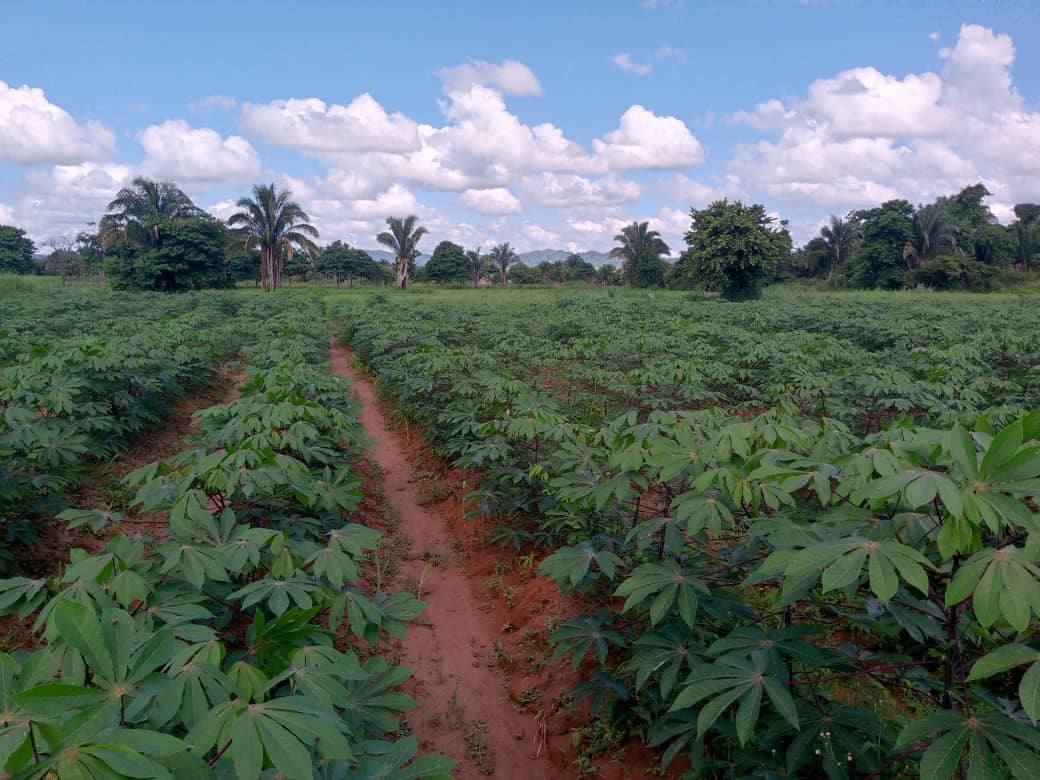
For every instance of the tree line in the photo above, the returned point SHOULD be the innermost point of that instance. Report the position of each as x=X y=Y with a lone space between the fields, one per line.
x=154 y=237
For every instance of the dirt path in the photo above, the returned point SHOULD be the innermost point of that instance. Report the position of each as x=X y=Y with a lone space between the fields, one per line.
x=464 y=711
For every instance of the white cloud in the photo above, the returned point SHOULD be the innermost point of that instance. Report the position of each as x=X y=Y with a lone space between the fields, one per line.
x=541 y=237
x=65 y=197
x=394 y=201
x=312 y=125
x=934 y=35
x=33 y=130
x=688 y=191
x=6 y=214
x=486 y=139
x=624 y=61
x=977 y=74
x=863 y=136
x=572 y=191
x=213 y=102
x=494 y=201
x=512 y=77
x=223 y=209
x=670 y=52
x=647 y=141
x=175 y=150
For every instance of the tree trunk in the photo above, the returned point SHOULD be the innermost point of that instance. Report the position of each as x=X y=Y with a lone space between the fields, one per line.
x=402 y=272
x=263 y=269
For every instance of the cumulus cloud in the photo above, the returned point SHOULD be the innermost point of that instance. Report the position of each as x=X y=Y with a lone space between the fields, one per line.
x=494 y=201
x=698 y=194
x=573 y=191
x=33 y=130
x=863 y=136
x=511 y=76
x=647 y=141
x=977 y=74
x=175 y=150
x=64 y=197
x=311 y=124
x=624 y=61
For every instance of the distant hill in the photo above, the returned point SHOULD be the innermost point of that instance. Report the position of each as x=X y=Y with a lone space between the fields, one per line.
x=553 y=255
x=531 y=258
x=380 y=255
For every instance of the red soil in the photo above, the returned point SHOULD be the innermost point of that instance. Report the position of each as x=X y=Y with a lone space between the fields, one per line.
x=458 y=693
x=480 y=650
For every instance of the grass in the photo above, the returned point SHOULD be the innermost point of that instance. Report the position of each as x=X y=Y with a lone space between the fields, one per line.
x=14 y=285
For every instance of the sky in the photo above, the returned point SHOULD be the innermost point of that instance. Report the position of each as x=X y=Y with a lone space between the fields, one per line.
x=546 y=124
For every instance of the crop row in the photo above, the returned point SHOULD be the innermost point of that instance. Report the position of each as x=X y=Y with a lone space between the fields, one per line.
x=783 y=585
x=74 y=400
x=223 y=648
x=859 y=360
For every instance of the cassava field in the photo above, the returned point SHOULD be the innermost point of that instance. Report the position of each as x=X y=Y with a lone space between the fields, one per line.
x=530 y=533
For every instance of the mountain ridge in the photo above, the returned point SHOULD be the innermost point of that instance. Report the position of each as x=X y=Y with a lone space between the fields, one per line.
x=530 y=258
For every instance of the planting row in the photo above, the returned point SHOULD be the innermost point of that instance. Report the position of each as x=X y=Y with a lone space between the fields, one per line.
x=77 y=393
x=789 y=590
x=243 y=641
x=860 y=359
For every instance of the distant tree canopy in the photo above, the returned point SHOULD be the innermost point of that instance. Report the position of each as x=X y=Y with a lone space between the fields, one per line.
x=639 y=250
x=521 y=273
x=16 y=251
x=342 y=261
x=189 y=255
x=732 y=248
x=448 y=264
x=953 y=242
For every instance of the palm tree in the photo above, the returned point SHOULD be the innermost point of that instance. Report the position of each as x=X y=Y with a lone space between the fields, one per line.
x=136 y=212
x=402 y=239
x=276 y=225
x=476 y=264
x=500 y=258
x=841 y=237
x=932 y=232
x=640 y=253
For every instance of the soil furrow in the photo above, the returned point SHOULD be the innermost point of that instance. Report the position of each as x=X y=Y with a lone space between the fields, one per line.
x=464 y=710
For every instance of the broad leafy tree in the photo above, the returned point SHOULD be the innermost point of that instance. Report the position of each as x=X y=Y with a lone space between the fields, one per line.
x=521 y=273
x=577 y=267
x=500 y=258
x=886 y=230
x=448 y=264
x=840 y=237
x=402 y=238
x=276 y=225
x=190 y=255
x=1027 y=234
x=16 y=250
x=733 y=248
x=607 y=274
x=136 y=213
x=342 y=261
x=639 y=249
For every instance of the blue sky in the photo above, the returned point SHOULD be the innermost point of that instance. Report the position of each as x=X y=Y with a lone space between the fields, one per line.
x=546 y=124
